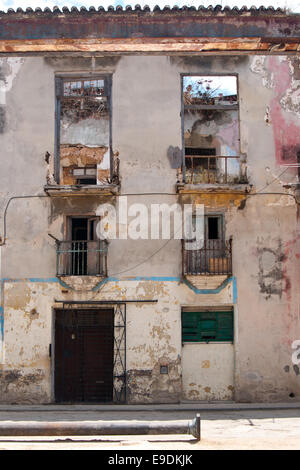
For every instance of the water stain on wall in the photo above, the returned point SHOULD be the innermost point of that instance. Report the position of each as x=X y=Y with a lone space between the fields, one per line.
x=271 y=275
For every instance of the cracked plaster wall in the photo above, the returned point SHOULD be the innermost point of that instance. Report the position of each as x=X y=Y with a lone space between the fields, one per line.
x=265 y=243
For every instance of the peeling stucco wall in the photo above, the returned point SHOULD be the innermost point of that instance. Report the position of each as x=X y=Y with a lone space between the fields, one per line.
x=265 y=229
x=73 y=156
x=208 y=372
x=281 y=75
x=25 y=366
x=153 y=335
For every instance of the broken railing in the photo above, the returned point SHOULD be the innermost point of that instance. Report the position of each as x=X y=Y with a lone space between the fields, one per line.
x=214 y=257
x=81 y=258
x=208 y=169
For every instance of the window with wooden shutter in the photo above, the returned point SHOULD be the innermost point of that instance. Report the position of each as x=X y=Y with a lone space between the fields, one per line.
x=207 y=326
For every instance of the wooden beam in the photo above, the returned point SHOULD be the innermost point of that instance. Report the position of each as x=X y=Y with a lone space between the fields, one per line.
x=146 y=45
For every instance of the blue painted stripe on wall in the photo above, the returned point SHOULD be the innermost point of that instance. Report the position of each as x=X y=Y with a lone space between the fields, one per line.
x=213 y=291
x=234 y=288
x=156 y=278
x=39 y=279
x=1 y=323
x=115 y=279
x=31 y=279
x=138 y=278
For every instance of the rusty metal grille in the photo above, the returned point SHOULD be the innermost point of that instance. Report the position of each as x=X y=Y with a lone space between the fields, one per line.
x=119 y=377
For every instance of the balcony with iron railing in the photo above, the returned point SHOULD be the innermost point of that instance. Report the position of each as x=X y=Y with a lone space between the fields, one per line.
x=214 y=258
x=213 y=169
x=81 y=258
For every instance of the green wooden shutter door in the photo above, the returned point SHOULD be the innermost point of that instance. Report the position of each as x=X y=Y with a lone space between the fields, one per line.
x=225 y=326
x=207 y=326
x=189 y=326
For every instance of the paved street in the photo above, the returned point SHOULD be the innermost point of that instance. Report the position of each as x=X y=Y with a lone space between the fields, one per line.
x=220 y=429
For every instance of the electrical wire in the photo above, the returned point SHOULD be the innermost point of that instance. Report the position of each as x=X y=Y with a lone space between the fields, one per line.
x=6 y=209
x=243 y=202
x=128 y=194
x=145 y=194
x=273 y=180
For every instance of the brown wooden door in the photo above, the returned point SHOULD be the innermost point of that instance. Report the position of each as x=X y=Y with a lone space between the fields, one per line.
x=84 y=355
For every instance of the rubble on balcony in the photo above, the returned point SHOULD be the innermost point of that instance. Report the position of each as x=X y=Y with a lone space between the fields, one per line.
x=85 y=163
x=211 y=133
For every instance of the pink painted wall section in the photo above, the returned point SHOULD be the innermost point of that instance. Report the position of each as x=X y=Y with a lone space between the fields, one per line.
x=286 y=123
x=229 y=136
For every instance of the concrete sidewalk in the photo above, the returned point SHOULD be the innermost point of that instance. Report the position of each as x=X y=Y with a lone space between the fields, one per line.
x=196 y=407
x=266 y=428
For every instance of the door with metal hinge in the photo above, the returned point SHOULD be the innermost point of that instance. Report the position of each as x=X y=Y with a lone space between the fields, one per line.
x=84 y=345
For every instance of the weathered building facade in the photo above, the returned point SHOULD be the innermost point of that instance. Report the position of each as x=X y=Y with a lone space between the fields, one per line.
x=134 y=108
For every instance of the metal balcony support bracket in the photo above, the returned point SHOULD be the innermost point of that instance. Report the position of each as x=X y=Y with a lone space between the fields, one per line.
x=100 y=428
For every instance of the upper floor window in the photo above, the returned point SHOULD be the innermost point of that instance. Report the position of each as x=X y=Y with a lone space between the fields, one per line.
x=82 y=253
x=211 y=128
x=83 y=130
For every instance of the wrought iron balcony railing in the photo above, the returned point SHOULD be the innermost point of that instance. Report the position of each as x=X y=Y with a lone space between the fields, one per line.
x=207 y=169
x=213 y=258
x=81 y=258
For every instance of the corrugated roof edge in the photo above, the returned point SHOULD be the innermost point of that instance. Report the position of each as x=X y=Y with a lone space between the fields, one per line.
x=157 y=9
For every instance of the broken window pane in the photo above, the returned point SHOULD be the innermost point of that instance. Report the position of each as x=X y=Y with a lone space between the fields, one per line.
x=211 y=129
x=84 y=128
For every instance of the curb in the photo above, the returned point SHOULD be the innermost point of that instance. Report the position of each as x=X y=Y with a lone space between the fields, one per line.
x=196 y=407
